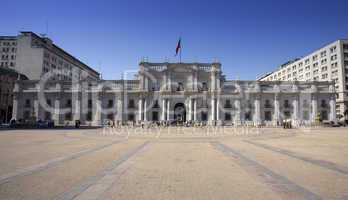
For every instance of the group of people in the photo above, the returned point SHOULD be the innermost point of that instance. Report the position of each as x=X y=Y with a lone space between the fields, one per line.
x=117 y=124
x=287 y=123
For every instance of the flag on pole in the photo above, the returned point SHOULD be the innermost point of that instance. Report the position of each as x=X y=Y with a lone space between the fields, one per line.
x=178 y=47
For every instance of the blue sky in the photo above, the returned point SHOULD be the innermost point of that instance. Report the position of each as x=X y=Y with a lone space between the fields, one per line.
x=247 y=37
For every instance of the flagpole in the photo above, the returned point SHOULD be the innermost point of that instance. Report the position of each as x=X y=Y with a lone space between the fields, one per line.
x=180 y=54
x=180 y=48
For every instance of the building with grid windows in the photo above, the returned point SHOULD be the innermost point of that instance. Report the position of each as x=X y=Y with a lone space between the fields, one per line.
x=329 y=63
x=34 y=56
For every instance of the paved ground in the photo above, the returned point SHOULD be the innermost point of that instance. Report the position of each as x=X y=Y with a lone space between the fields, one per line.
x=184 y=163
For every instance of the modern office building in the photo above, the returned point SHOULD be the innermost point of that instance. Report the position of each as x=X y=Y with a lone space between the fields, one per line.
x=175 y=92
x=329 y=63
x=34 y=56
x=29 y=56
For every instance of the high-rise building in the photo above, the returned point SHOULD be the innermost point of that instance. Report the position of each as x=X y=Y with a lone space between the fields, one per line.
x=34 y=56
x=325 y=64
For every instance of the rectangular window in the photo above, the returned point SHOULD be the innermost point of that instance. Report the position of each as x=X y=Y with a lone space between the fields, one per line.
x=228 y=116
x=228 y=103
x=89 y=116
x=131 y=104
x=324 y=61
x=334 y=65
x=27 y=103
x=323 y=54
x=334 y=57
x=307 y=61
x=305 y=115
x=68 y=103
x=110 y=103
x=268 y=116
x=68 y=116
x=334 y=73
x=333 y=49
x=315 y=57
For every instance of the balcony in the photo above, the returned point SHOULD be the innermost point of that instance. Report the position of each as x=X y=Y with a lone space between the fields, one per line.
x=287 y=106
x=228 y=106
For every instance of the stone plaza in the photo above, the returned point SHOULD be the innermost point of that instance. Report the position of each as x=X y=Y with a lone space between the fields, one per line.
x=174 y=163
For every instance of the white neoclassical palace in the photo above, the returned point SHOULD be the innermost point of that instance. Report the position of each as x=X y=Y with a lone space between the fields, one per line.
x=196 y=92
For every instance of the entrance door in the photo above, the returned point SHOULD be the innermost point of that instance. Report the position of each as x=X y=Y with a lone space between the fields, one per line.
x=179 y=112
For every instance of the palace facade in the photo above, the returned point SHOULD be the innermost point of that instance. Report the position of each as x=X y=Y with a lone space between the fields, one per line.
x=170 y=92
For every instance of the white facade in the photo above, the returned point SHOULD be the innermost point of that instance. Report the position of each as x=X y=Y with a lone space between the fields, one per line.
x=167 y=92
x=329 y=63
x=34 y=56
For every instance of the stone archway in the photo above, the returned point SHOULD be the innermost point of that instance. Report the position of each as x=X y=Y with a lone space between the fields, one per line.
x=180 y=112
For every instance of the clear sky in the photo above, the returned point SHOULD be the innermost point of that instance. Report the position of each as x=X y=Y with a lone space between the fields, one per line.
x=248 y=37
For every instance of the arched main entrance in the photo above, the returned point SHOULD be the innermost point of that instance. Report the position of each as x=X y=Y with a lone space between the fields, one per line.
x=180 y=112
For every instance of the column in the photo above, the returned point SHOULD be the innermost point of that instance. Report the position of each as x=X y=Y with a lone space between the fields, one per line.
x=295 y=105
x=76 y=106
x=84 y=104
x=195 y=110
x=145 y=110
x=257 y=119
x=212 y=109
x=75 y=101
x=36 y=102
x=56 y=111
x=195 y=80
x=146 y=84
x=169 y=82
x=276 y=110
x=314 y=107
x=213 y=79
x=140 y=106
x=36 y=108
x=163 y=109
x=15 y=107
x=218 y=109
x=190 y=110
x=115 y=108
x=96 y=106
x=168 y=109
x=164 y=86
x=333 y=108
x=217 y=78
x=191 y=83
x=237 y=119
x=119 y=108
